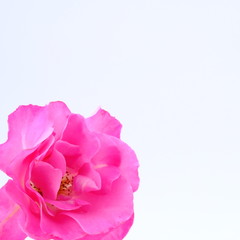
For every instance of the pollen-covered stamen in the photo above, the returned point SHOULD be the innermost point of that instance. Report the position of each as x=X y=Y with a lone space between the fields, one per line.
x=66 y=184
x=34 y=187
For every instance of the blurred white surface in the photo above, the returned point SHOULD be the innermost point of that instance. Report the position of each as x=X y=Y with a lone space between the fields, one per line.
x=168 y=70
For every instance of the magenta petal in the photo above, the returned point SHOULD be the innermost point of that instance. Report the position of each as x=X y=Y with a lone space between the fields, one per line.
x=108 y=175
x=72 y=154
x=76 y=133
x=61 y=227
x=115 y=152
x=77 y=139
x=103 y=122
x=107 y=210
x=129 y=164
x=120 y=232
x=46 y=179
x=68 y=149
x=56 y=160
x=9 y=217
x=70 y=204
x=108 y=153
x=117 y=233
x=84 y=184
x=20 y=166
x=31 y=125
x=31 y=209
x=58 y=114
x=87 y=180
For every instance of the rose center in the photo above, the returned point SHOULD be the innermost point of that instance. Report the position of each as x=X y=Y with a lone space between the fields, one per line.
x=66 y=184
x=35 y=188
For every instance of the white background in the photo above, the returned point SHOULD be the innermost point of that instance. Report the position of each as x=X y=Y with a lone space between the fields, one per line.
x=168 y=70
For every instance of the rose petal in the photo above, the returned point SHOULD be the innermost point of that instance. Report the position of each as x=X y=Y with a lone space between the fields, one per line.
x=31 y=125
x=56 y=160
x=9 y=217
x=103 y=122
x=19 y=168
x=68 y=205
x=108 y=175
x=76 y=133
x=114 y=152
x=31 y=210
x=117 y=233
x=68 y=149
x=35 y=215
x=129 y=163
x=120 y=232
x=46 y=179
x=58 y=114
x=87 y=180
x=72 y=154
x=61 y=227
x=117 y=153
x=107 y=210
x=108 y=153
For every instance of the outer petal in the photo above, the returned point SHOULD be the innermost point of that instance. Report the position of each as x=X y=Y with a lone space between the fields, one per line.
x=108 y=175
x=103 y=122
x=117 y=233
x=31 y=210
x=9 y=216
x=120 y=232
x=87 y=180
x=58 y=113
x=129 y=163
x=61 y=227
x=86 y=143
x=28 y=126
x=31 y=125
x=19 y=168
x=107 y=211
x=117 y=153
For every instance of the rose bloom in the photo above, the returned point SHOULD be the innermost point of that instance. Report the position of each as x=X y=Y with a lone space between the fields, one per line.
x=72 y=178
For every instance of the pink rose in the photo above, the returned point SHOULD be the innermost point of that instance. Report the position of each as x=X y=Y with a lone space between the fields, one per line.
x=72 y=177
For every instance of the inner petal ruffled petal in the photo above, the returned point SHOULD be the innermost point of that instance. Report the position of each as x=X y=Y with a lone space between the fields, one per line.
x=108 y=153
x=72 y=154
x=68 y=205
x=57 y=160
x=108 y=175
x=117 y=153
x=87 y=180
x=46 y=179
x=77 y=133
